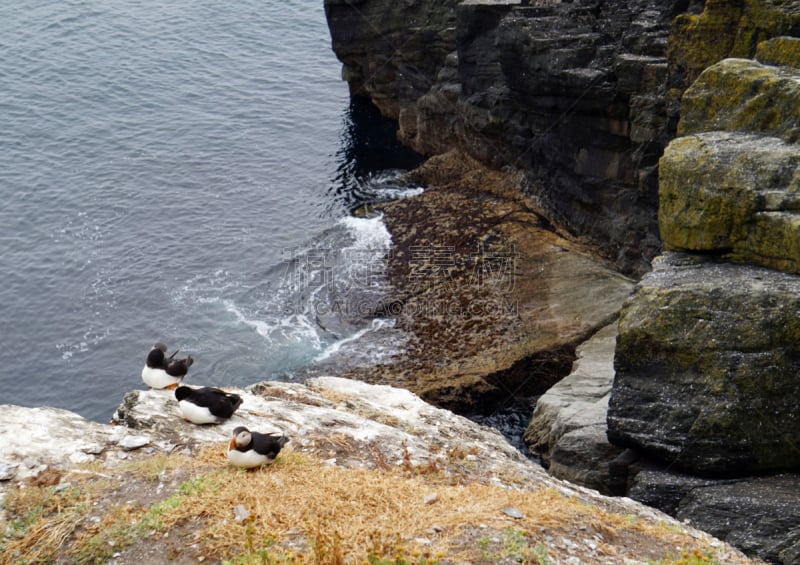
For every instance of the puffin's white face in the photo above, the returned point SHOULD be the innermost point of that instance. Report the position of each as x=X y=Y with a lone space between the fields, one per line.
x=242 y=438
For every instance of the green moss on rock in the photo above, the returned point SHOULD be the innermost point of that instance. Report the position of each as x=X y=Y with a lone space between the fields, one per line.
x=727 y=28
x=707 y=365
x=744 y=95
x=779 y=51
x=732 y=193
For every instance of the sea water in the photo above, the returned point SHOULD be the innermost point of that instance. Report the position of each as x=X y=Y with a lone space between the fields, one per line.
x=182 y=172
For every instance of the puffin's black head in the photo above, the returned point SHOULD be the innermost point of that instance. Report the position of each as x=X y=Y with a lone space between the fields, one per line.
x=239 y=429
x=183 y=392
x=156 y=356
x=241 y=438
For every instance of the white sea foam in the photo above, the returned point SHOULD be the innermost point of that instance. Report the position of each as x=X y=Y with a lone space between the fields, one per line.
x=295 y=327
x=336 y=347
x=386 y=186
x=368 y=233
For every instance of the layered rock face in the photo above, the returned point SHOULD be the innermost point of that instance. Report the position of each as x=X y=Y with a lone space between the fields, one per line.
x=708 y=348
x=731 y=185
x=393 y=52
x=571 y=93
x=582 y=96
x=707 y=354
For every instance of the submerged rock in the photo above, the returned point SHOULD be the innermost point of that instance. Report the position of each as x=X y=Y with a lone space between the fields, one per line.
x=488 y=300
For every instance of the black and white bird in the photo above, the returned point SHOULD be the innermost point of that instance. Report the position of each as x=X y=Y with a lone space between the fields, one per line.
x=206 y=405
x=252 y=449
x=163 y=371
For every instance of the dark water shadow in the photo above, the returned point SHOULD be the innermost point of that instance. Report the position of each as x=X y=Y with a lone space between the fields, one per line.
x=369 y=159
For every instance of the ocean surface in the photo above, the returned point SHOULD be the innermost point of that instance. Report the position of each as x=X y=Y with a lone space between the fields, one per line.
x=182 y=172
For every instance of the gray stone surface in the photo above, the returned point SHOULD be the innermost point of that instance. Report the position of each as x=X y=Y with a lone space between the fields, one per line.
x=707 y=365
x=582 y=457
x=348 y=423
x=745 y=96
x=760 y=515
x=568 y=427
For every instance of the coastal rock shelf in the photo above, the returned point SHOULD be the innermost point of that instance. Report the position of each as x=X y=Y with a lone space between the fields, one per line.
x=488 y=300
x=346 y=424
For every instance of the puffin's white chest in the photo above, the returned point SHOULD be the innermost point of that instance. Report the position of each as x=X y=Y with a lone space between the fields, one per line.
x=196 y=414
x=247 y=459
x=158 y=378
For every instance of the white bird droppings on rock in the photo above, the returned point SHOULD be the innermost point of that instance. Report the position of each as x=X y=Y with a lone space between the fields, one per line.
x=129 y=443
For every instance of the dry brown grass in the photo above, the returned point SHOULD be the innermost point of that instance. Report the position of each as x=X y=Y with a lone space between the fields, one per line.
x=302 y=510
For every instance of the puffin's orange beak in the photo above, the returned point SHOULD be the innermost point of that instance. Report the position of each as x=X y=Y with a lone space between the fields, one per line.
x=172 y=386
x=232 y=444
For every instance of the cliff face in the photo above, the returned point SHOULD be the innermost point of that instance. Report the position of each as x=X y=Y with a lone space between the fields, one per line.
x=575 y=93
x=581 y=96
x=706 y=358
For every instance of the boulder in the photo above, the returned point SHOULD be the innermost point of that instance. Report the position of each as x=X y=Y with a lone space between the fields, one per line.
x=666 y=490
x=723 y=29
x=734 y=193
x=779 y=51
x=568 y=427
x=582 y=457
x=761 y=516
x=707 y=364
x=744 y=95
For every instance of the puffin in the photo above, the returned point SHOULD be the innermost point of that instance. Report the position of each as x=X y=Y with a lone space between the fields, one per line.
x=206 y=405
x=162 y=371
x=252 y=449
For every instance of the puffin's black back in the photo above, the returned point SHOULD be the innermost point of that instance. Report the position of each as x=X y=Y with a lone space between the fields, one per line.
x=179 y=367
x=222 y=404
x=268 y=444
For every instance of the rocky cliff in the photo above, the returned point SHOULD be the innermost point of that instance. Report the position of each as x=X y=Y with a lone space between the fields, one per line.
x=582 y=101
x=706 y=358
x=582 y=96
